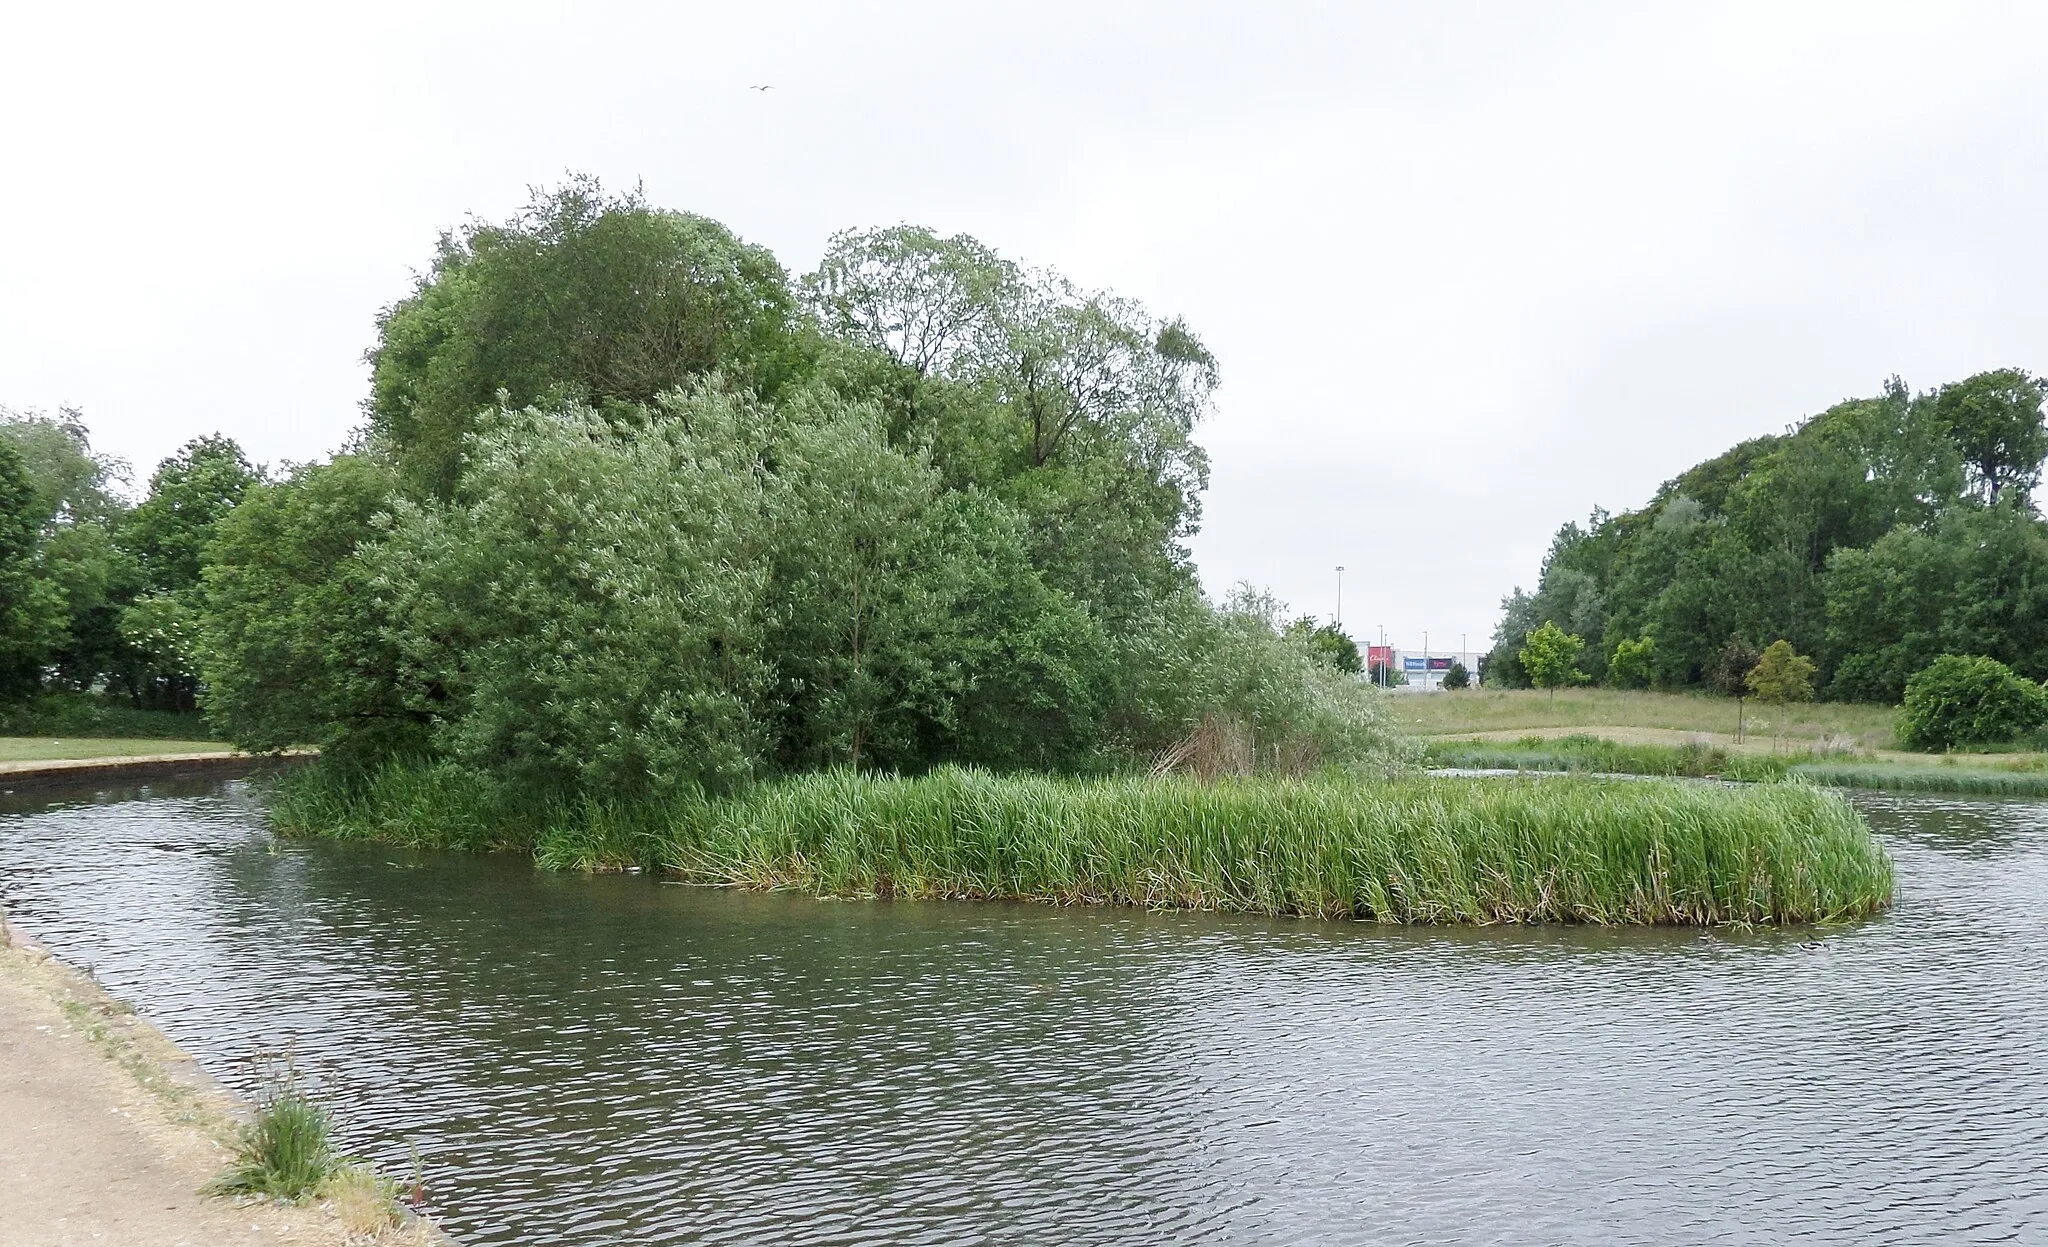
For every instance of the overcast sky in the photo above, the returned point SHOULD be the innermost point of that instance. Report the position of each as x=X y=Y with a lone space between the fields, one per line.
x=1469 y=270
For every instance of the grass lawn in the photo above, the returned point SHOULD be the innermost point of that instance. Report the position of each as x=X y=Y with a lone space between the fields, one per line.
x=1618 y=714
x=47 y=748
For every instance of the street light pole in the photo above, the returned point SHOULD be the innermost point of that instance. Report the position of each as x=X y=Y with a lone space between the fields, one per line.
x=1340 y=597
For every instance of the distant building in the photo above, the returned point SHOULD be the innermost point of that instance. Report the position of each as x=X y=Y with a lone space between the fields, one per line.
x=1419 y=672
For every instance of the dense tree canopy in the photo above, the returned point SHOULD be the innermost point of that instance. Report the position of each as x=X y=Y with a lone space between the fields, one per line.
x=635 y=512
x=101 y=595
x=1076 y=408
x=582 y=295
x=295 y=643
x=1875 y=536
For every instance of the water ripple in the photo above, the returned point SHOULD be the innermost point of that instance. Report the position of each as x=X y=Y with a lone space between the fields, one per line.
x=614 y=1060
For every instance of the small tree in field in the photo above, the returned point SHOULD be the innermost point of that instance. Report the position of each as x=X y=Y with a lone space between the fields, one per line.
x=1550 y=655
x=1731 y=674
x=1630 y=666
x=1457 y=677
x=1782 y=675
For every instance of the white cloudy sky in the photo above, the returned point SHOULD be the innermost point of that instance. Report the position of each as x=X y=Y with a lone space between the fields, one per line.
x=1470 y=268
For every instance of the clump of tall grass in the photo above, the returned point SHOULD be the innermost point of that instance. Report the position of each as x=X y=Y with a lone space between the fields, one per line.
x=286 y=1151
x=1586 y=753
x=1409 y=850
x=2008 y=783
x=419 y=805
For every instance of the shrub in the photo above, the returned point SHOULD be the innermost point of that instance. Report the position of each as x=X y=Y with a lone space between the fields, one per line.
x=1633 y=663
x=1957 y=701
x=286 y=1152
x=1457 y=677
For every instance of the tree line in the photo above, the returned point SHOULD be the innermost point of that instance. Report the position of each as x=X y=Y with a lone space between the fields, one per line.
x=1874 y=537
x=98 y=594
x=632 y=508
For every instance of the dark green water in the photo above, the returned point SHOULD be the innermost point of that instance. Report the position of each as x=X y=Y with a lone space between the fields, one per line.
x=616 y=1060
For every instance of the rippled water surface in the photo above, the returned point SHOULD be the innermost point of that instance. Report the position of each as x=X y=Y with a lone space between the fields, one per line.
x=616 y=1060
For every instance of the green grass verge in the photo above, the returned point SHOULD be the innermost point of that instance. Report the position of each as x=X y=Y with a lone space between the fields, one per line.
x=1924 y=779
x=1583 y=753
x=1402 y=851
x=49 y=748
x=1595 y=709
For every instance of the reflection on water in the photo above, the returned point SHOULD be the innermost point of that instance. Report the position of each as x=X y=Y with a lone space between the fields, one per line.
x=613 y=1060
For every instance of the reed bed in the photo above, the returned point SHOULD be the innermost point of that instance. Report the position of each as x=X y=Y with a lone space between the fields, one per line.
x=1399 y=851
x=1925 y=779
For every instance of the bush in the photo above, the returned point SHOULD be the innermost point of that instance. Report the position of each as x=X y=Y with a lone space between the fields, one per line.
x=1302 y=712
x=286 y=1152
x=1957 y=701
x=1457 y=677
x=1633 y=664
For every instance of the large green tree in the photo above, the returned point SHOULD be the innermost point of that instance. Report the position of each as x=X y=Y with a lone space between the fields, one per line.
x=168 y=536
x=585 y=294
x=296 y=641
x=908 y=622
x=32 y=616
x=1994 y=419
x=1076 y=408
x=586 y=613
x=77 y=504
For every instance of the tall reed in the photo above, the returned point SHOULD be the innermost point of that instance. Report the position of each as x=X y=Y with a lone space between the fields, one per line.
x=285 y=1152
x=1401 y=851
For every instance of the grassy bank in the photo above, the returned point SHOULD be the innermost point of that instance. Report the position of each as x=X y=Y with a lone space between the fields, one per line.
x=1593 y=754
x=50 y=748
x=1985 y=774
x=1956 y=779
x=1500 y=710
x=1408 y=851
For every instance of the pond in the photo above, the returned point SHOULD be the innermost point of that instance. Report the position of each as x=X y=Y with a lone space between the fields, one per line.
x=599 y=1060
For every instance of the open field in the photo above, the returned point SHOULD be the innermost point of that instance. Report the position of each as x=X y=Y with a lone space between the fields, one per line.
x=45 y=748
x=1402 y=851
x=1626 y=752
x=1602 y=711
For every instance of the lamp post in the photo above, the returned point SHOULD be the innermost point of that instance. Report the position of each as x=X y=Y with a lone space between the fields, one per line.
x=1340 y=597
